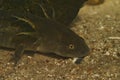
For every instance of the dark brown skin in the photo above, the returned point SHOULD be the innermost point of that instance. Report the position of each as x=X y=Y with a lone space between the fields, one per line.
x=57 y=38
x=63 y=11
x=47 y=36
x=67 y=10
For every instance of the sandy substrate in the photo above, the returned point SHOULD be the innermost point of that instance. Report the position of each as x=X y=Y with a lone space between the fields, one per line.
x=100 y=26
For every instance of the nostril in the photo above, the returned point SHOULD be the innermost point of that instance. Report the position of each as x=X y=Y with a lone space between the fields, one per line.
x=88 y=52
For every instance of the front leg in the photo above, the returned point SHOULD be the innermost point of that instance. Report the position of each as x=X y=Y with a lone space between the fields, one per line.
x=18 y=53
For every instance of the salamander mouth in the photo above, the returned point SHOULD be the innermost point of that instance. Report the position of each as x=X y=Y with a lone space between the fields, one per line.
x=78 y=60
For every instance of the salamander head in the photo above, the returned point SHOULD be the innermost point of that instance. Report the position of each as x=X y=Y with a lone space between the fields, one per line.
x=72 y=46
x=64 y=42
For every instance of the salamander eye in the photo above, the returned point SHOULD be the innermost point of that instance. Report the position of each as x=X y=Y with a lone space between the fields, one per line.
x=71 y=46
